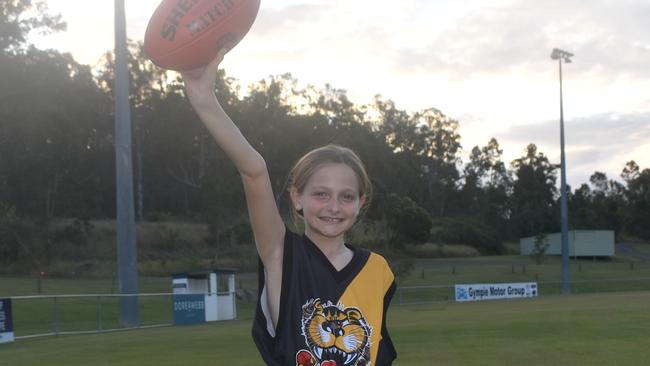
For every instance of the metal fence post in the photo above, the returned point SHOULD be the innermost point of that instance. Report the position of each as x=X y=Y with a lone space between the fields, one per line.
x=99 y=312
x=55 y=316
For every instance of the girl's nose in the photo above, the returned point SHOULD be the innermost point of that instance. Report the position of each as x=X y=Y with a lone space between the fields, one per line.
x=333 y=206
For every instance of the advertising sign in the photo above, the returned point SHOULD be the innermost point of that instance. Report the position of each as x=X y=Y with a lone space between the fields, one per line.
x=189 y=309
x=478 y=292
x=6 y=323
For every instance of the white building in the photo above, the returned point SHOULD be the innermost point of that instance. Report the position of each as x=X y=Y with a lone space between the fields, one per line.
x=203 y=296
x=582 y=243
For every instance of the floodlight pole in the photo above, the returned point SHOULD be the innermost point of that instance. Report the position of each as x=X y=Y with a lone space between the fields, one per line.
x=126 y=245
x=561 y=55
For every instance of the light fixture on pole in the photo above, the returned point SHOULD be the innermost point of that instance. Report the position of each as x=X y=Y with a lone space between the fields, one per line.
x=560 y=55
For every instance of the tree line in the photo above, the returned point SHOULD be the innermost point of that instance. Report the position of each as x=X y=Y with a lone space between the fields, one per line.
x=57 y=154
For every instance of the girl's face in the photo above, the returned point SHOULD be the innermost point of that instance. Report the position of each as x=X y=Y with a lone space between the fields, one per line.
x=330 y=201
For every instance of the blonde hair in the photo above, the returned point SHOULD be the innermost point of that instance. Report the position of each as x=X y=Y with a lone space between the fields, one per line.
x=307 y=165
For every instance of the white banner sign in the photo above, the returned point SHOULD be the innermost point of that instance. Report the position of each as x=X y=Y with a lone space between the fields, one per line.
x=495 y=291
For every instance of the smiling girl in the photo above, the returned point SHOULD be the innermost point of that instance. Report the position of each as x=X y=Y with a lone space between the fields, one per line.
x=322 y=301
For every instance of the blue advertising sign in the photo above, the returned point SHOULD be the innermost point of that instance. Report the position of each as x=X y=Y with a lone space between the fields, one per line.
x=189 y=309
x=6 y=323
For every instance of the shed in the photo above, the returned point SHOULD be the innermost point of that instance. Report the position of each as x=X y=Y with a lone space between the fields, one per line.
x=582 y=243
x=204 y=295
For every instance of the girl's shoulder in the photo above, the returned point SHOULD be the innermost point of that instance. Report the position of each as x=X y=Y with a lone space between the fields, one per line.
x=380 y=258
x=379 y=263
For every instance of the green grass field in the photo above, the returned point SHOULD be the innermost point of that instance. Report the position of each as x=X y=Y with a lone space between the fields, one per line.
x=604 y=322
x=586 y=329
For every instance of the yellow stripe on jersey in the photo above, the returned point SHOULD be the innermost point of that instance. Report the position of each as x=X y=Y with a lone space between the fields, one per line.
x=367 y=292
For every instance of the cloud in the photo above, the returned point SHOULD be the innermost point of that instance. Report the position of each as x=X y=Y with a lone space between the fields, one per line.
x=603 y=142
x=607 y=36
x=278 y=23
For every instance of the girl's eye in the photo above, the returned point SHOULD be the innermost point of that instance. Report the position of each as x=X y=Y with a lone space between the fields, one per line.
x=348 y=197
x=320 y=194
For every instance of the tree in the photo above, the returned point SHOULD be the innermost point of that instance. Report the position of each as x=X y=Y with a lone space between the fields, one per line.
x=441 y=148
x=334 y=105
x=581 y=213
x=630 y=171
x=399 y=169
x=484 y=194
x=541 y=246
x=407 y=222
x=533 y=200
x=485 y=168
x=606 y=202
x=56 y=118
x=397 y=127
x=467 y=230
x=147 y=83
x=18 y=18
x=638 y=209
x=9 y=236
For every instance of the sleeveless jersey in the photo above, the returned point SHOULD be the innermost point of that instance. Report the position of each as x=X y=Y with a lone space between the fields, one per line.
x=327 y=317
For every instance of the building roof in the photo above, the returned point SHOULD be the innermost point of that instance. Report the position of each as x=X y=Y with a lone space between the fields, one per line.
x=201 y=273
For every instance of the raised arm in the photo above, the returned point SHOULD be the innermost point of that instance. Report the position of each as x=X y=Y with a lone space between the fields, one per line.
x=268 y=227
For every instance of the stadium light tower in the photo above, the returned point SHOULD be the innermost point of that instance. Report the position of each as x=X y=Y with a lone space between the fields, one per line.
x=126 y=250
x=560 y=55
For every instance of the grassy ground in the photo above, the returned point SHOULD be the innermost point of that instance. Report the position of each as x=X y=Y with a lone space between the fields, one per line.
x=593 y=329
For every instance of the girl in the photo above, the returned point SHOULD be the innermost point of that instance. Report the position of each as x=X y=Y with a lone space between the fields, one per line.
x=322 y=302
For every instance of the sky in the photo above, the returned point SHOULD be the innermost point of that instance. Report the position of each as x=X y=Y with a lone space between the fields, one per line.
x=485 y=63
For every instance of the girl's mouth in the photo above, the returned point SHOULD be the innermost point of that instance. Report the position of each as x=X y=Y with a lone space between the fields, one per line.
x=331 y=219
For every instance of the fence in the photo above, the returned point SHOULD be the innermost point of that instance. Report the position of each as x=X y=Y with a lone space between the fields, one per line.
x=437 y=277
x=430 y=283
x=415 y=295
x=44 y=315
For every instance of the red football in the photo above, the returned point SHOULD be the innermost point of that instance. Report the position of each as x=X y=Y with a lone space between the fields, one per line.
x=186 y=34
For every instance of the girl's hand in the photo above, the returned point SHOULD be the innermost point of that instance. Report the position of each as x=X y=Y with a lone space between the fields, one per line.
x=199 y=83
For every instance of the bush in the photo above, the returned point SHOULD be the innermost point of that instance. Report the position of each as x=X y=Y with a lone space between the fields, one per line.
x=467 y=231
x=9 y=227
x=401 y=266
x=430 y=250
x=541 y=246
x=372 y=235
x=409 y=223
x=71 y=240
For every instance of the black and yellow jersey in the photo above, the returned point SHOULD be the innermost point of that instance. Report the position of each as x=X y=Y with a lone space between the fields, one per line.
x=327 y=317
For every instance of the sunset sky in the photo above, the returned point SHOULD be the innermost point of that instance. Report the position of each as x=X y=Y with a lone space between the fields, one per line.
x=485 y=63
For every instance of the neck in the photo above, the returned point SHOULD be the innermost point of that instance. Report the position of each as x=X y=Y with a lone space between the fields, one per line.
x=331 y=247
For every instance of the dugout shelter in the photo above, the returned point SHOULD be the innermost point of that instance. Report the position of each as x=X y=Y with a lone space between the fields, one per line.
x=204 y=295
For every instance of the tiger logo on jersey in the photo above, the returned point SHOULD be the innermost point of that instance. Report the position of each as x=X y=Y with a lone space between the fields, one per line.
x=335 y=335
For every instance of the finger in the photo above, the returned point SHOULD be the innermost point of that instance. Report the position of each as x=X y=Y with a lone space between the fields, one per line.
x=213 y=66
x=209 y=69
x=221 y=53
